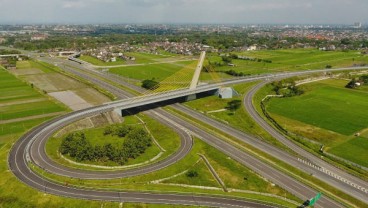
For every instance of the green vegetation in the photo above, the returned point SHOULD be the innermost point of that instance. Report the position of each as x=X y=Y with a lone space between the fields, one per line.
x=328 y=113
x=354 y=150
x=144 y=58
x=6 y=52
x=166 y=137
x=46 y=68
x=287 y=88
x=326 y=106
x=269 y=61
x=357 y=82
x=29 y=109
x=19 y=100
x=157 y=71
x=136 y=141
x=150 y=84
x=98 y=62
x=197 y=175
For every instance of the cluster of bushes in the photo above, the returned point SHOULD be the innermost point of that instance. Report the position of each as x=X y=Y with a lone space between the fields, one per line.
x=362 y=80
x=235 y=73
x=150 y=84
x=287 y=88
x=77 y=146
x=251 y=59
x=7 y=52
x=192 y=174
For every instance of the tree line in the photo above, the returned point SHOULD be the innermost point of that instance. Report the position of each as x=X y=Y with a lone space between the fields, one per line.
x=137 y=140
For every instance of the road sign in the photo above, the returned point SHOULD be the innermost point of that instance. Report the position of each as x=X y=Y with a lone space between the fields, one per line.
x=314 y=199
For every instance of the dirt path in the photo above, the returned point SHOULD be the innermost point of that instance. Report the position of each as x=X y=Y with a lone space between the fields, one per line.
x=30 y=117
x=22 y=102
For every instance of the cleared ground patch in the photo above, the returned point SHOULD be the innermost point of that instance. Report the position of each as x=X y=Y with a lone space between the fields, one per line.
x=92 y=96
x=52 y=82
x=71 y=100
x=29 y=71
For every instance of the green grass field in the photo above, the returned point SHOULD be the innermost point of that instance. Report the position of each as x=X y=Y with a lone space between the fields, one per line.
x=144 y=58
x=354 y=150
x=98 y=62
x=35 y=64
x=12 y=90
x=292 y=60
x=157 y=71
x=330 y=114
x=326 y=106
x=29 y=109
x=204 y=177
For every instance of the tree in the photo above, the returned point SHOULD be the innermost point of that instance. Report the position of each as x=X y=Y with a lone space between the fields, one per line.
x=351 y=84
x=122 y=131
x=233 y=105
x=192 y=174
x=137 y=140
x=227 y=59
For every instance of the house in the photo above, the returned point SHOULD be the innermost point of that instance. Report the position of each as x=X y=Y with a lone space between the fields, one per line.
x=252 y=48
x=38 y=37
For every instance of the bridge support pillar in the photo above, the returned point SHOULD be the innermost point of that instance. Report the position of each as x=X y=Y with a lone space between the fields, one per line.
x=119 y=112
x=191 y=97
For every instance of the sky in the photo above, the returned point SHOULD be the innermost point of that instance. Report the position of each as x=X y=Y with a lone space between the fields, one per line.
x=184 y=11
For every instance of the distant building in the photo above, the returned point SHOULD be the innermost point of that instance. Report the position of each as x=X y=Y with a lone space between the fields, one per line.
x=39 y=37
x=2 y=40
x=357 y=25
x=252 y=48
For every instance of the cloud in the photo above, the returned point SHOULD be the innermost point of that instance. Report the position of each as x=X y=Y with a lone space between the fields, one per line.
x=73 y=4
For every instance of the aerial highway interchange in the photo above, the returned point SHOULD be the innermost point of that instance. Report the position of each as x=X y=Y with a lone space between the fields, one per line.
x=30 y=148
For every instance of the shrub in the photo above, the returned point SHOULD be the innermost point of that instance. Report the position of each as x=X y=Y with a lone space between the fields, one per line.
x=192 y=174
